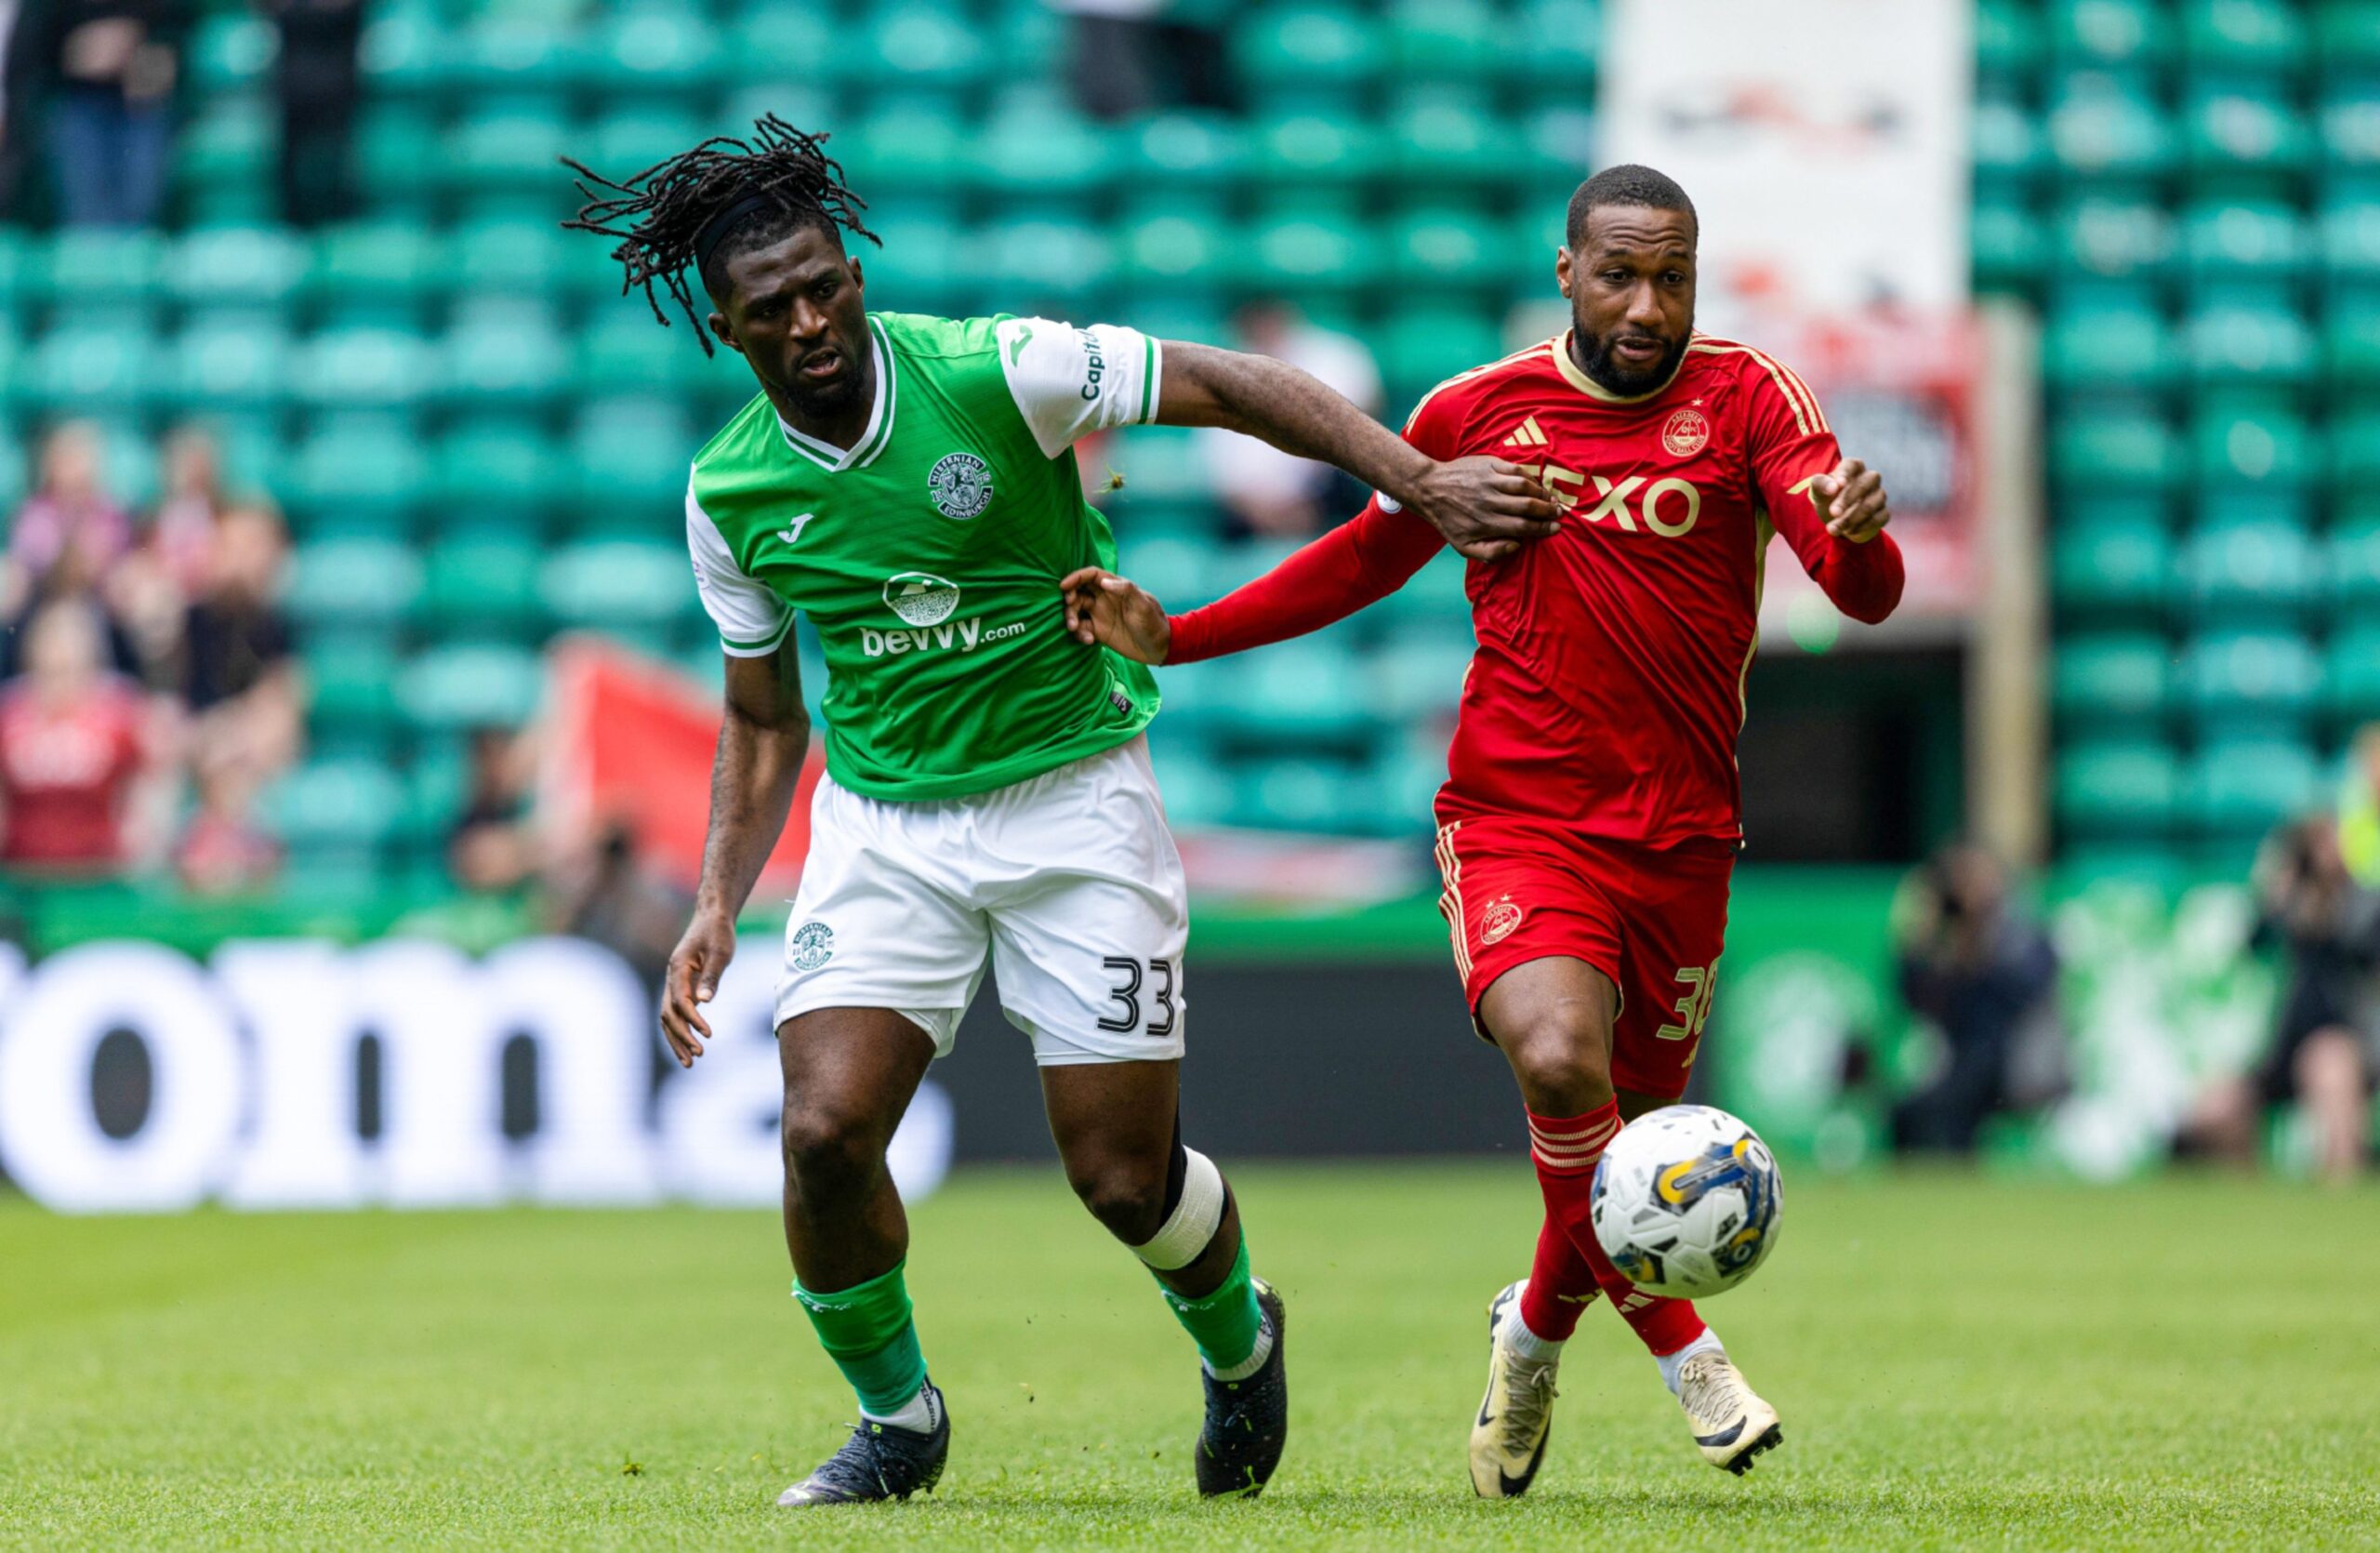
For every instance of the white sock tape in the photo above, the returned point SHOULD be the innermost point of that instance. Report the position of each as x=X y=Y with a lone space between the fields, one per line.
x=1194 y=1221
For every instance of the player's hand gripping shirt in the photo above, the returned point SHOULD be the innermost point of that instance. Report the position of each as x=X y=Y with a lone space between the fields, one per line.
x=1608 y=689
x=928 y=555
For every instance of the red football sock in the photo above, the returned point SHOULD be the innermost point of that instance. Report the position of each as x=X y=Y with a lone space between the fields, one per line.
x=1561 y=1285
x=1565 y=1150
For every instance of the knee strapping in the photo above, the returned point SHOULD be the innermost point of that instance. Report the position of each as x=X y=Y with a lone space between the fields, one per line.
x=1197 y=1214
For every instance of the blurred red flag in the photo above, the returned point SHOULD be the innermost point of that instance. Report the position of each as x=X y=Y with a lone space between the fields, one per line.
x=630 y=742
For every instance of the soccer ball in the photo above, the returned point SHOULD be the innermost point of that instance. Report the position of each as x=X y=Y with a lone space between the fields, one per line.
x=1685 y=1202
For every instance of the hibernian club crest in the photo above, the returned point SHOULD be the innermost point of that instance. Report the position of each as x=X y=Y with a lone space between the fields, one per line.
x=960 y=484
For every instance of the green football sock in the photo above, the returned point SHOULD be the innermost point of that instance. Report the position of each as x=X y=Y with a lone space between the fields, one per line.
x=1225 y=1324
x=867 y=1330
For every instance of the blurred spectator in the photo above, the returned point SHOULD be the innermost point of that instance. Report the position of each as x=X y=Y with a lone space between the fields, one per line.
x=1132 y=56
x=222 y=850
x=239 y=678
x=318 y=83
x=1982 y=976
x=76 y=743
x=602 y=892
x=182 y=535
x=493 y=848
x=115 y=64
x=65 y=543
x=1271 y=494
x=2329 y=929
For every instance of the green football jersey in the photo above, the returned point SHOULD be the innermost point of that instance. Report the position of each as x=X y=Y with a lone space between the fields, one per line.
x=926 y=554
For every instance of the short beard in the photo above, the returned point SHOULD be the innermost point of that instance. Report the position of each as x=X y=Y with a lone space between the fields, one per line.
x=1599 y=364
x=826 y=403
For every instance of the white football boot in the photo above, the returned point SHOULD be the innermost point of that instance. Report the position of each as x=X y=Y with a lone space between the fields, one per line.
x=1731 y=1424
x=1508 y=1438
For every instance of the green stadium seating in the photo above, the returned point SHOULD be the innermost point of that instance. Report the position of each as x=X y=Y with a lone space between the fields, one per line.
x=2238 y=38
x=260 y=266
x=229 y=52
x=81 y=366
x=1179 y=152
x=232 y=361
x=1323 y=252
x=2134 y=32
x=2117 y=788
x=2249 y=338
x=2247 y=787
x=2010 y=150
x=501 y=352
x=101 y=264
x=631 y=456
x=2110 y=682
x=397 y=155
x=2250 y=568
x=2346 y=34
x=2349 y=127
x=1441 y=247
x=2248 y=137
x=2355 y=451
x=452 y=689
x=377 y=264
x=363 y=366
x=350 y=685
x=2246 y=443
x=1325 y=149
x=1421 y=348
x=2351 y=670
x=2009 y=42
x=2008 y=246
x=231 y=143
x=1454 y=40
x=2235 y=240
x=1065 y=263
x=914 y=45
x=2249 y=680
x=354 y=805
x=1297 y=49
x=355 y=472
x=507 y=143
x=2113 y=445
x=1451 y=139
x=1564 y=41
x=616 y=584
x=1420 y=675
x=2116 y=238
x=2110 y=570
x=770 y=45
x=1041 y=147
x=655 y=48
x=354 y=582
x=495 y=473
x=2103 y=128
x=1298 y=794
x=908 y=143
x=484 y=587
x=1172 y=249
x=2097 y=341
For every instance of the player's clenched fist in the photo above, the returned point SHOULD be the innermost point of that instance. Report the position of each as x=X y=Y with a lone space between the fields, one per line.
x=1486 y=508
x=1111 y=611
x=695 y=968
x=1851 y=501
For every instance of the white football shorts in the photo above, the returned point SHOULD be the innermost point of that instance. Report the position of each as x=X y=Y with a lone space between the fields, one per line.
x=1069 y=883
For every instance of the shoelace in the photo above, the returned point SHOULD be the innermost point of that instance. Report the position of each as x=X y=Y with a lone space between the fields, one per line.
x=1526 y=1398
x=856 y=1468
x=1711 y=1388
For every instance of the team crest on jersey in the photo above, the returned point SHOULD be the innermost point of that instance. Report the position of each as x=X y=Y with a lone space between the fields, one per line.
x=1496 y=923
x=922 y=598
x=1687 y=433
x=960 y=484
x=812 y=945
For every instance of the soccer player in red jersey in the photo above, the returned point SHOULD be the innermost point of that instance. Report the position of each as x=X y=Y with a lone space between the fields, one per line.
x=1591 y=815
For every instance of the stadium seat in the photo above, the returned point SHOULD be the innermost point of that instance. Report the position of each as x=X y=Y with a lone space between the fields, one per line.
x=2246 y=787
x=501 y=352
x=631 y=457
x=2009 y=45
x=229 y=52
x=2243 y=443
x=2352 y=558
x=1565 y=40
x=497 y=473
x=354 y=582
x=1451 y=139
x=2006 y=245
x=625 y=345
x=1557 y=145
x=617 y=584
x=483 y=587
x=354 y=473
x=510 y=253
x=1451 y=40
x=350 y=806
x=397 y=156
x=257 y=266
x=2104 y=129
x=2244 y=138
x=452 y=689
x=2249 y=681
x=81 y=366
x=772 y=43
x=1302 y=793
x=2247 y=569
x=1320 y=148
x=2112 y=446
x=1177 y=152
x=2351 y=674
x=1040 y=146
x=2115 y=238
x=2114 y=569
x=2249 y=338
x=2350 y=128
x=914 y=45
x=2117 y=788
x=350 y=686
x=1063 y=263
x=2239 y=38
x=2094 y=339
x=1419 y=675
x=2346 y=34
x=1169 y=249
x=364 y=367
x=2112 y=682
x=1290 y=49
x=1323 y=252
x=907 y=145
x=1422 y=348
x=2134 y=32
x=229 y=141
x=377 y=264
x=231 y=360
x=1441 y=247
x=653 y=48
x=2246 y=240
x=643 y=136
x=2350 y=247
x=102 y=264
x=2355 y=451
x=2007 y=145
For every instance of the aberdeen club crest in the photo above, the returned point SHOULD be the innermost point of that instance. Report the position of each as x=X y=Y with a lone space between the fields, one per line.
x=1686 y=433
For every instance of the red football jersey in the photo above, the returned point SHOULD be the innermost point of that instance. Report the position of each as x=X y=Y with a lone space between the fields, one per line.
x=64 y=776
x=1607 y=691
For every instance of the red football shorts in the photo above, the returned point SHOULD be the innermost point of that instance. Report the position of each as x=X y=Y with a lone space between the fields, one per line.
x=1520 y=889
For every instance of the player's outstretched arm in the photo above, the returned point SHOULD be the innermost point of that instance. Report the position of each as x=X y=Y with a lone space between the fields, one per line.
x=1485 y=507
x=762 y=740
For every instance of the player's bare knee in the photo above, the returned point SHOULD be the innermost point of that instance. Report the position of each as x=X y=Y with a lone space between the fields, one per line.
x=828 y=1147
x=1561 y=1059
x=1127 y=1195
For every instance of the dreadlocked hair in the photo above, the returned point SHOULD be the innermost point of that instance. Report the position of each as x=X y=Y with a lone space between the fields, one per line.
x=658 y=213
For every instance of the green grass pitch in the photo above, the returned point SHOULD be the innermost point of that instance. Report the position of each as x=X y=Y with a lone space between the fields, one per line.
x=1959 y=1362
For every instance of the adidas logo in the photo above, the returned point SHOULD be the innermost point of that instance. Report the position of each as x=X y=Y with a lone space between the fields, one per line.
x=1529 y=435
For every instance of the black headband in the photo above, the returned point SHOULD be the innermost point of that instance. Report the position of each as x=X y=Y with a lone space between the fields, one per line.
x=707 y=236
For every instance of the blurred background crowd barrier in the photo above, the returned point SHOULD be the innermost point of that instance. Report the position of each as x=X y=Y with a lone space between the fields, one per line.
x=346 y=601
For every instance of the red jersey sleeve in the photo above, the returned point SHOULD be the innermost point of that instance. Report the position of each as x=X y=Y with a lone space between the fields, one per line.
x=1789 y=445
x=1357 y=563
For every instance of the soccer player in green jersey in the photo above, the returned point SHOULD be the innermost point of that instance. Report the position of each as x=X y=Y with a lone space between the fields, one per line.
x=910 y=484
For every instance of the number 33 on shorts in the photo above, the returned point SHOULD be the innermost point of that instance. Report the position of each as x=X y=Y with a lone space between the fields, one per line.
x=1131 y=977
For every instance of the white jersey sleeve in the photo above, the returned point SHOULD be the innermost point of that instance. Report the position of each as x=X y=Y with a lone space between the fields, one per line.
x=751 y=620
x=1070 y=381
